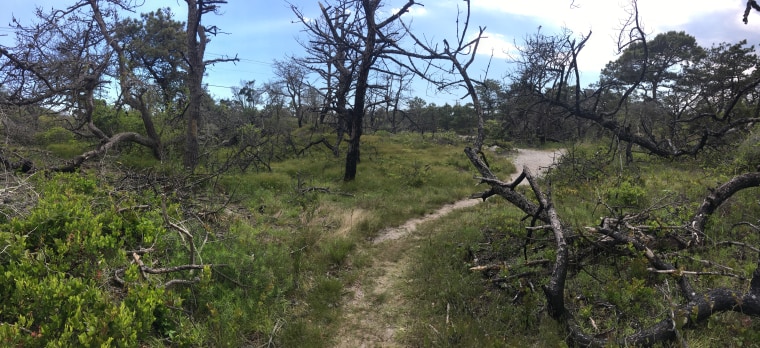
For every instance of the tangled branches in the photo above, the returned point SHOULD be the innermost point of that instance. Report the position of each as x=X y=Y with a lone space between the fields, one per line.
x=628 y=236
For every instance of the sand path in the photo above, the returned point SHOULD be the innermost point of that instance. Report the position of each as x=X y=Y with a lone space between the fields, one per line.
x=374 y=310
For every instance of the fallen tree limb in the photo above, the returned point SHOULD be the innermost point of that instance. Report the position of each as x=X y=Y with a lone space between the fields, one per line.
x=699 y=306
x=103 y=148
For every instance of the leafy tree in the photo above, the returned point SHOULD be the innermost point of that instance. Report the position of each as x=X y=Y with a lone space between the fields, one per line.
x=491 y=94
x=154 y=49
x=656 y=64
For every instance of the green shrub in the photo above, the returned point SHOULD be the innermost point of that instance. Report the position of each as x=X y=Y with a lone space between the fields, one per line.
x=748 y=152
x=68 y=149
x=337 y=251
x=626 y=195
x=54 y=135
x=54 y=271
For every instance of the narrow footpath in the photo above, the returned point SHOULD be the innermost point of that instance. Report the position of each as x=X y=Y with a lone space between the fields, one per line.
x=374 y=308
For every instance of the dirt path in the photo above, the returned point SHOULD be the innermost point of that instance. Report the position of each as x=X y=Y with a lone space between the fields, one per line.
x=374 y=311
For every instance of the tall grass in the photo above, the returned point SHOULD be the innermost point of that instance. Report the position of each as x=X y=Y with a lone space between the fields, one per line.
x=305 y=225
x=609 y=294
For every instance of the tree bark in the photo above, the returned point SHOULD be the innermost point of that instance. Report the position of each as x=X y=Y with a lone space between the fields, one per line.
x=356 y=115
x=719 y=195
x=196 y=45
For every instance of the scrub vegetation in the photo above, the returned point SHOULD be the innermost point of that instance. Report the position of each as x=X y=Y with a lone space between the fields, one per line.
x=136 y=210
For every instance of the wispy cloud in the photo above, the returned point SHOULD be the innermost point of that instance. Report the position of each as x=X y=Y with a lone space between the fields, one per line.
x=414 y=11
x=604 y=16
x=497 y=45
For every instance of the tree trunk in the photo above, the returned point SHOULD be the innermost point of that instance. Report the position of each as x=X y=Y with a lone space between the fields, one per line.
x=196 y=45
x=356 y=115
x=352 y=155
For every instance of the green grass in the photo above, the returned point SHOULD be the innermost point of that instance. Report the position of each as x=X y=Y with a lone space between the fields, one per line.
x=400 y=177
x=458 y=307
x=293 y=239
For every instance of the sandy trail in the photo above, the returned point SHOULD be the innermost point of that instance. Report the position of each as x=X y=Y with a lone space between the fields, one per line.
x=374 y=311
x=537 y=161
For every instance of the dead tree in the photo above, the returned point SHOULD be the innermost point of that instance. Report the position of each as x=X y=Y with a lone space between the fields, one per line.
x=351 y=39
x=444 y=65
x=692 y=306
x=63 y=62
x=696 y=307
x=197 y=39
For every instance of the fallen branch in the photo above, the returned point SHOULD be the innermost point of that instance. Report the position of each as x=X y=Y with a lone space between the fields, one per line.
x=183 y=232
x=680 y=272
x=745 y=245
x=505 y=266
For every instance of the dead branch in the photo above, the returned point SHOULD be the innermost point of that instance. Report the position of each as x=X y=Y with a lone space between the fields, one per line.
x=744 y=245
x=164 y=270
x=182 y=231
x=175 y=282
x=716 y=197
x=750 y=5
x=680 y=272
x=494 y=267
x=323 y=141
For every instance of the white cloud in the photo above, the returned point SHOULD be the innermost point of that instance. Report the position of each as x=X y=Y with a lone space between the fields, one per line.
x=496 y=44
x=606 y=14
x=604 y=19
x=414 y=11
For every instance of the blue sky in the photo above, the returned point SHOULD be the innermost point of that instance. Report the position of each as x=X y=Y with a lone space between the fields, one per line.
x=260 y=31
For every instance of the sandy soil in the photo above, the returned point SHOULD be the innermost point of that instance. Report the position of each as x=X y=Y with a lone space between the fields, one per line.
x=374 y=310
x=536 y=161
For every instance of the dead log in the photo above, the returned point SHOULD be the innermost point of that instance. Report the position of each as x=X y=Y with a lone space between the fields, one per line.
x=104 y=147
x=697 y=308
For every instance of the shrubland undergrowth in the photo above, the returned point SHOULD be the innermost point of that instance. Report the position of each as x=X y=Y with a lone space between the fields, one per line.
x=271 y=251
x=477 y=281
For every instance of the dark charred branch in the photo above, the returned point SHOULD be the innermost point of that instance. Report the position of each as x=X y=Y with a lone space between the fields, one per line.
x=719 y=195
x=519 y=200
x=22 y=165
x=320 y=141
x=687 y=316
x=750 y=5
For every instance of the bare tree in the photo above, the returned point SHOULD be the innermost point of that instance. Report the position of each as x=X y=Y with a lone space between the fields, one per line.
x=429 y=61
x=351 y=39
x=614 y=234
x=197 y=39
x=63 y=61
x=396 y=91
x=293 y=77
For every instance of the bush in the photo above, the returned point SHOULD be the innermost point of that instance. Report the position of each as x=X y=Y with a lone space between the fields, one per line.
x=54 y=135
x=748 y=152
x=54 y=269
x=627 y=195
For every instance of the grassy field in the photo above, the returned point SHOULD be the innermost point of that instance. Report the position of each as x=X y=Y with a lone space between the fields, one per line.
x=608 y=294
x=296 y=265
